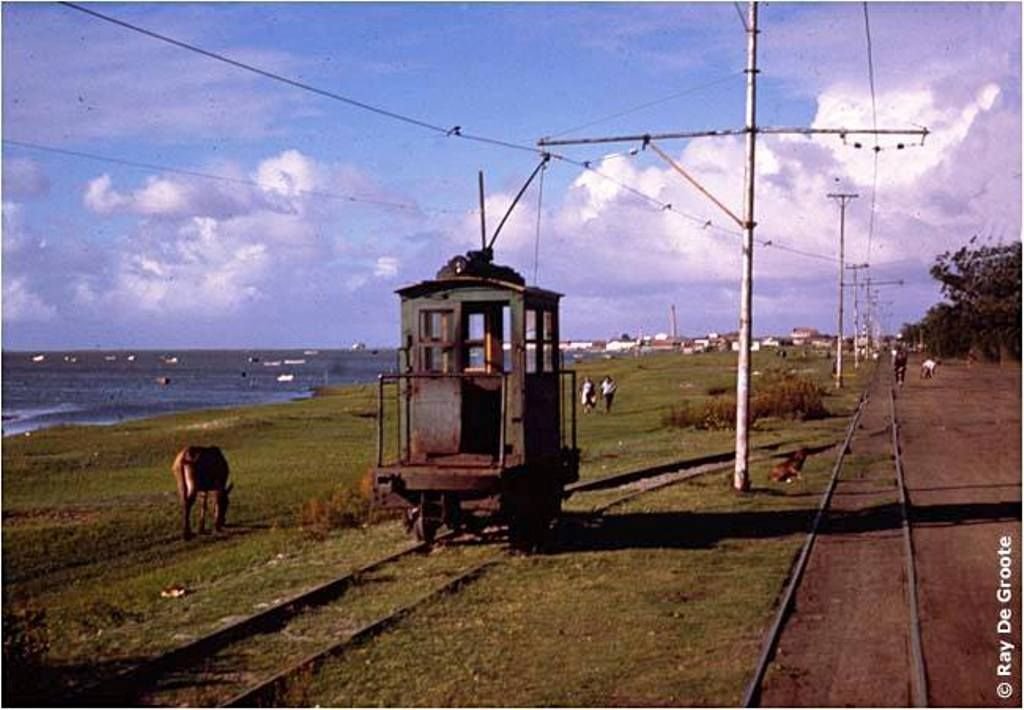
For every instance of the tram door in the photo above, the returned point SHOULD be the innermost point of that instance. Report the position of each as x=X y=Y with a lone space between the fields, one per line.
x=483 y=360
x=455 y=403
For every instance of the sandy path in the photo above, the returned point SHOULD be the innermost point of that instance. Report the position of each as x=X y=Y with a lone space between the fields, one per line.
x=847 y=642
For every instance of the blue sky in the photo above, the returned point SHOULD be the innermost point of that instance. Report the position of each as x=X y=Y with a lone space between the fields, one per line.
x=269 y=249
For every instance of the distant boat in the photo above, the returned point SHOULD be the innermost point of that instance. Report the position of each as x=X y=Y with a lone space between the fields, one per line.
x=110 y=358
x=359 y=346
x=272 y=363
x=38 y=358
x=310 y=352
x=253 y=358
x=170 y=360
x=131 y=358
x=285 y=377
x=70 y=358
x=163 y=380
x=294 y=362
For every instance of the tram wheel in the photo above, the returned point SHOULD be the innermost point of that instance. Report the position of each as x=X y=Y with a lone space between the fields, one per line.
x=425 y=530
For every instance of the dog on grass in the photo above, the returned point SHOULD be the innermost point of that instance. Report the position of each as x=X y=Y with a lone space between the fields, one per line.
x=789 y=470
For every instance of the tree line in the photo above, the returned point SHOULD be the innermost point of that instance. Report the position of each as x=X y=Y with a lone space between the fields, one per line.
x=981 y=313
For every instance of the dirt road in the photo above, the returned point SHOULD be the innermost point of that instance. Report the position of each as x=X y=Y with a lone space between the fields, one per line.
x=847 y=642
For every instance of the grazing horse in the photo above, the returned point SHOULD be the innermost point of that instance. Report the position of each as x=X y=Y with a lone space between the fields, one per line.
x=789 y=470
x=202 y=469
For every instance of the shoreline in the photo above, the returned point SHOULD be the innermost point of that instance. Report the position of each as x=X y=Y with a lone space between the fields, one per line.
x=106 y=421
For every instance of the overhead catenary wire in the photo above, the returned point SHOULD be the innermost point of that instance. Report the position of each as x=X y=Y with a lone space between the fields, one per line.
x=140 y=165
x=452 y=131
x=648 y=104
x=875 y=123
x=540 y=207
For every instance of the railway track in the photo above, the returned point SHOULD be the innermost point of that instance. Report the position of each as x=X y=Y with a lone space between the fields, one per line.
x=227 y=667
x=916 y=670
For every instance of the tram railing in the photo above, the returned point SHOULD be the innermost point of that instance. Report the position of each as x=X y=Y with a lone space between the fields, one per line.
x=403 y=418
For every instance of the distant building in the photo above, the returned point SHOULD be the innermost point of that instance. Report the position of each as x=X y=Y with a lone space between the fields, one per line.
x=802 y=336
x=618 y=346
x=755 y=346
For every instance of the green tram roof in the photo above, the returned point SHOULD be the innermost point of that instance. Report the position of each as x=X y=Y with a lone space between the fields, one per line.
x=424 y=288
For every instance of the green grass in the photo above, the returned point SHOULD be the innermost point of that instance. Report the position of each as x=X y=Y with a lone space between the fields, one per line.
x=91 y=522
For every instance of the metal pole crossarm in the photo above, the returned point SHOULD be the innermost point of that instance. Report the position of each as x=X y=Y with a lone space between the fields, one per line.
x=679 y=169
x=646 y=138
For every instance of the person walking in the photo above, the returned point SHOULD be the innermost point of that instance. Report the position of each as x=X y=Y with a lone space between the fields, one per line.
x=608 y=388
x=588 y=394
x=899 y=364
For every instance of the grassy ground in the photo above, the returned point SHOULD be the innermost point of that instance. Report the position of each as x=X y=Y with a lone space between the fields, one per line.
x=91 y=510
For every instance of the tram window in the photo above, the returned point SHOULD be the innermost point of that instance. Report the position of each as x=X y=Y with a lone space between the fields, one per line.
x=506 y=338
x=550 y=345
x=532 y=323
x=476 y=329
x=434 y=325
x=435 y=341
x=436 y=359
x=475 y=358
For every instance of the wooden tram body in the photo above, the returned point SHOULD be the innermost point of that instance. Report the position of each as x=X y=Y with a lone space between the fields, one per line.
x=483 y=418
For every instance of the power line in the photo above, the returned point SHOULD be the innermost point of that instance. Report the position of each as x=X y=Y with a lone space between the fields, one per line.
x=219 y=178
x=454 y=131
x=875 y=123
x=648 y=104
x=262 y=72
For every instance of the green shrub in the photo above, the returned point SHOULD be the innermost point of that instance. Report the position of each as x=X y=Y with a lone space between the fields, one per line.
x=777 y=394
x=787 y=396
x=346 y=507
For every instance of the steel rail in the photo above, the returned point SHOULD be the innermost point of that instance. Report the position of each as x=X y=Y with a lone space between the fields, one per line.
x=751 y=695
x=918 y=676
x=266 y=691
x=131 y=681
x=615 y=480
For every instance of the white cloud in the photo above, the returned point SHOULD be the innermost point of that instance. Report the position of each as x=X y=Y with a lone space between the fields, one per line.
x=22 y=304
x=101 y=198
x=202 y=271
x=289 y=174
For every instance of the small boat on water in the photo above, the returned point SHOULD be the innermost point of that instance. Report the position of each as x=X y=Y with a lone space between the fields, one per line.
x=295 y=362
x=310 y=352
x=170 y=360
x=131 y=358
x=272 y=363
x=38 y=358
x=163 y=380
x=359 y=346
x=285 y=377
x=110 y=358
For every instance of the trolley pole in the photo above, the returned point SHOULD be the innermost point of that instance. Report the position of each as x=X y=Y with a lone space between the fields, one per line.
x=843 y=198
x=741 y=476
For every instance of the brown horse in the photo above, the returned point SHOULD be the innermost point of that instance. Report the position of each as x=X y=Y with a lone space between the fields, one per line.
x=202 y=469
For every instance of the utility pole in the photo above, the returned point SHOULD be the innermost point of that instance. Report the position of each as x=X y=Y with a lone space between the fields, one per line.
x=843 y=198
x=741 y=479
x=673 y=326
x=741 y=476
x=856 y=314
